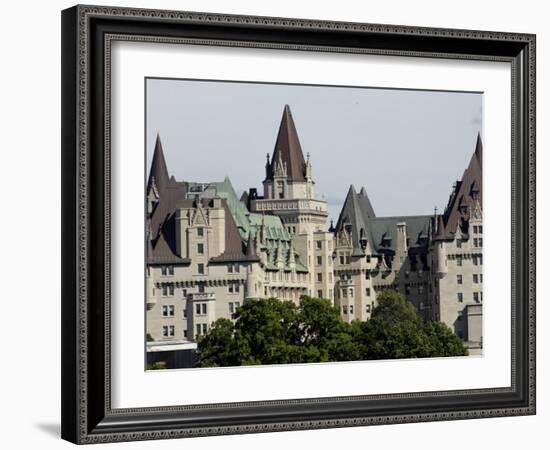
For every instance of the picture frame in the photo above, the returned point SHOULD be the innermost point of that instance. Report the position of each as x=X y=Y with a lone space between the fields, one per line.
x=87 y=413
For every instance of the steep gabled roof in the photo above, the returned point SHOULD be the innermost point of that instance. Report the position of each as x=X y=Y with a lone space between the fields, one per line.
x=288 y=149
x=170 y=196
x=466 y=193
x=357 y=213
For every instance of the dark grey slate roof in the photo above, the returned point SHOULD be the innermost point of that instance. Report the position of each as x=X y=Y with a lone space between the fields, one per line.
x=356 y=213
x=386 y=228
x=381 y=232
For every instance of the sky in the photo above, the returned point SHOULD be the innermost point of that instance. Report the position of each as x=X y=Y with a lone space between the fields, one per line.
x=406 y=147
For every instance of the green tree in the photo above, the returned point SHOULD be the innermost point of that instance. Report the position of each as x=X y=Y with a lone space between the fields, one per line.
x=395 y=330
x=270 y=331
x=220 y=346
x=443 y=341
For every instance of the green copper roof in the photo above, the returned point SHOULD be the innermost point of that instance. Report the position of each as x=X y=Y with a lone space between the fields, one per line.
x=274 y=230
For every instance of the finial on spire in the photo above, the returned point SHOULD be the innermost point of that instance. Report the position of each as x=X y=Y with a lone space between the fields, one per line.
x=307 y=155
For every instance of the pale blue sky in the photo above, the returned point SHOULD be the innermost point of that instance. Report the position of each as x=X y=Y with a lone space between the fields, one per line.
x=406 y=147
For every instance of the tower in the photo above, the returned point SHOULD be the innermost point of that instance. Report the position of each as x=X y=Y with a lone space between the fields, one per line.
x=289 y=194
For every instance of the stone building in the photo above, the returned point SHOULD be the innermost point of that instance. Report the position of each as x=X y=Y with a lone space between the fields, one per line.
x=456 y=256
x=209 y=251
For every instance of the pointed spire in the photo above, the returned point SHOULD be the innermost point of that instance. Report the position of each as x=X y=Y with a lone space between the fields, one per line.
x=280 y=254
x=479 y=150
x=250 y=250
x=291 y=256
x=159 y=171
x=440 y=227
x=288 y=150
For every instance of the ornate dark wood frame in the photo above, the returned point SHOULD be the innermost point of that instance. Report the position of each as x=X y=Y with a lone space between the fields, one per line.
x=87 y=32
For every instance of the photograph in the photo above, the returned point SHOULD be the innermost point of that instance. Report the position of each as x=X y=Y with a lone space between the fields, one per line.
x=297 y=223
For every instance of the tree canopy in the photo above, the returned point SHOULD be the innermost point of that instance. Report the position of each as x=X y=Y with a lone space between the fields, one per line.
x=270 y=331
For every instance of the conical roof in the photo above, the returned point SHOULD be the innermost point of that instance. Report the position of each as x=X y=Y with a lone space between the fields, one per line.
x=159 y=170
x=288 y=149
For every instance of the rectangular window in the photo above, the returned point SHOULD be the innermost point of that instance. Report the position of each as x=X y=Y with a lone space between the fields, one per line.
x=458 y=243
x=184 y=333
x=204 y=305
x=459 y=279
x=475 y=229
x=165 y=331
x=475 y=278
x=164 y=310
x=475 y=242
x=342 y=260
x=171 y=330
x=185 y=312
x=345 y=309
x=348 y=259
x=476 y=297
x=367 y=292
x=368 y=258
x=204 y=328
x=459 y=297
x=200 y=268
x=197 y=308
x=198 y=329
x=231 y=307
x=237 y=304
x=459 y=261
x=200 y=249
x=230 y=268
x=480 y=242
x=481 y=278
x=351 y=309
x=319 y=277
x=368 y=308
x=320 y=293
x=480 y=229
x=167 y=270
x=319 y=245
x=200 y=231
x=475 y=260
x=319 y=260
x=167 y=290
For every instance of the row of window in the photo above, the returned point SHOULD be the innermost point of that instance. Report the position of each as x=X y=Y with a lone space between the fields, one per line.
x=476 y=296
x=349 y=309
x=478 y=229
x=477 y=260
x=476 y=278
x=169 y=270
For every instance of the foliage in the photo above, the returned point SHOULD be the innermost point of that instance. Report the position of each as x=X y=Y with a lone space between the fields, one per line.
x=270 y=331
x=395 y=330
x=159 y=365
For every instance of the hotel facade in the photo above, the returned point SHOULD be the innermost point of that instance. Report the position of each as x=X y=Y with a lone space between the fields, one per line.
x=208 y=251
